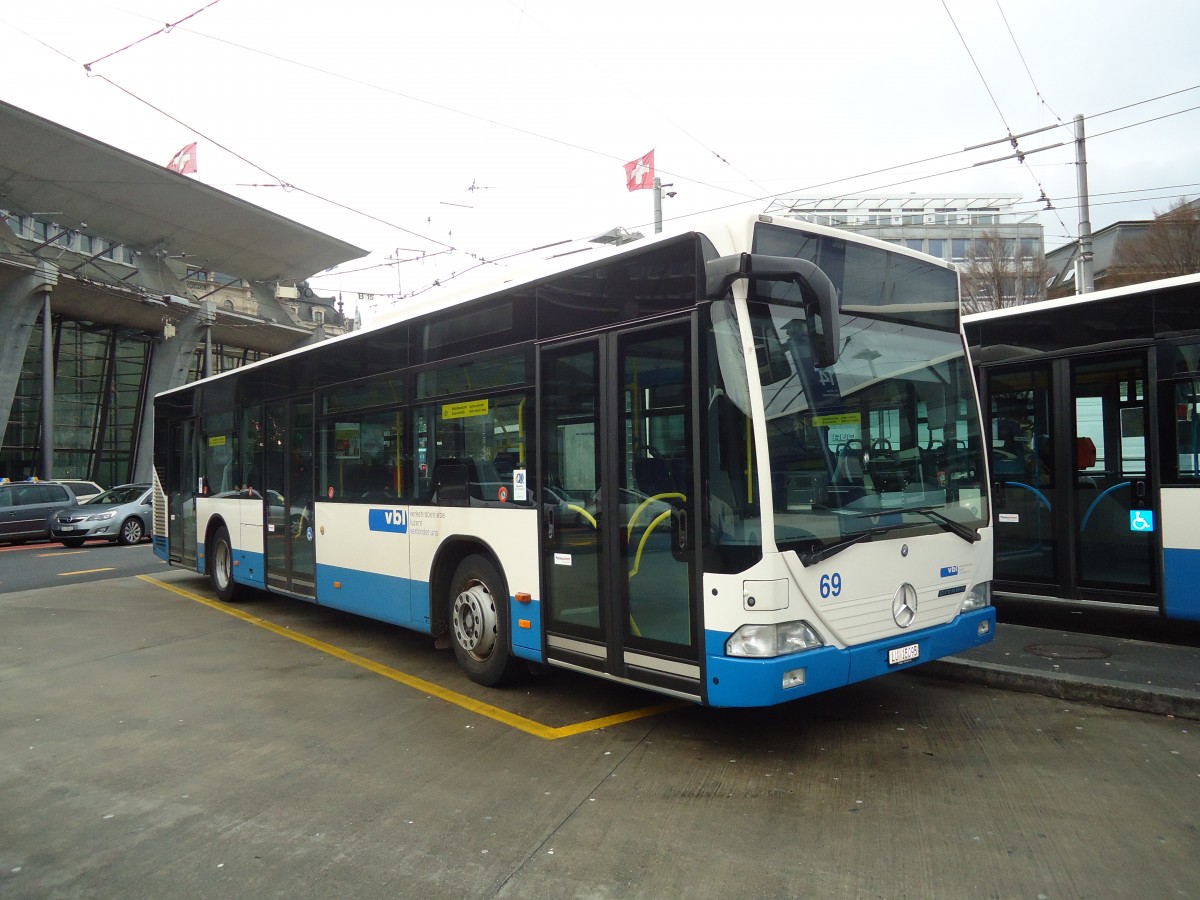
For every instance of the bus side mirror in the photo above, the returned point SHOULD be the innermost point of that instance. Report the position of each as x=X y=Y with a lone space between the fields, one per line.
x=817 y=292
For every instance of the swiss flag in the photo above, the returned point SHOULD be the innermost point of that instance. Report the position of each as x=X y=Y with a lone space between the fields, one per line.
x=639 y=174
x=184 y=161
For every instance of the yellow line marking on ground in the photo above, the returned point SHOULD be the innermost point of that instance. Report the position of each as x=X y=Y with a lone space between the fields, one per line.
x=495 y=713
x=60 y=553
x=86 y=571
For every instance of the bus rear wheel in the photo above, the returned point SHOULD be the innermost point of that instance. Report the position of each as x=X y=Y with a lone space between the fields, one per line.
x=479 y=622
x=220 y=566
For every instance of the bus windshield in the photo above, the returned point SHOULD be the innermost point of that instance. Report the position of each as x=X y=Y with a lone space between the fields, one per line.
x=888 y=436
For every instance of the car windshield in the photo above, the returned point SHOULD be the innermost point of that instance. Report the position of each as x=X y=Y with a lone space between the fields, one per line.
x=124 y=494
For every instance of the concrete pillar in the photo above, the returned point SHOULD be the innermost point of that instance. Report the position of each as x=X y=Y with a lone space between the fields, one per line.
x=21 y=304
x=170 y=360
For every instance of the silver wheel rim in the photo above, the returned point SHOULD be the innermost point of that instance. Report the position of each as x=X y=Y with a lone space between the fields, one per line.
x=133 y=531
x=221 y=565
x=475 y=622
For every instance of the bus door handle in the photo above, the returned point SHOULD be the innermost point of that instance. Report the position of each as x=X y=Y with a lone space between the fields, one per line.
x=1139 y=492
x=549 y=523
x=999 y=492
x=679 y=530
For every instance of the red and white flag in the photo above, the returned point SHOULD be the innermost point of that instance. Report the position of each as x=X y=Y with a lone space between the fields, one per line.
x=639 y=174
x=184 y=162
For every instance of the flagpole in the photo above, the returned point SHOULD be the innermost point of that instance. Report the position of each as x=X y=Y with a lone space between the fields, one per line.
x=657 y=204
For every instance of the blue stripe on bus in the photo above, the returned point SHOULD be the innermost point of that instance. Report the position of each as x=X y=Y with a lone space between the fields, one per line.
x=526 y=639
x=759 y=682
x=406 y=602
x=387 y=598
x=251 y=568
x=1181 y=597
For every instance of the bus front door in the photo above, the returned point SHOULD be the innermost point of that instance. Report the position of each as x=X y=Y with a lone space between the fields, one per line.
x=618 y=472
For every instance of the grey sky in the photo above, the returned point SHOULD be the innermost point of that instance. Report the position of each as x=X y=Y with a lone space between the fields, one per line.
x=384 y=114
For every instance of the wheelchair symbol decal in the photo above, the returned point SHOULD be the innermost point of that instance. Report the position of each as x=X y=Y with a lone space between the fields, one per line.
x=1141 y=520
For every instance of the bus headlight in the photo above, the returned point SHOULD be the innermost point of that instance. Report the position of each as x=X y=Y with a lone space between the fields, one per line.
x=772 y=640
x=978 y=597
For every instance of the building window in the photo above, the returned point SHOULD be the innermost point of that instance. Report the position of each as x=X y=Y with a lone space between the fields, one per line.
x=958 y=249
x=914 y=244
x=937 y=247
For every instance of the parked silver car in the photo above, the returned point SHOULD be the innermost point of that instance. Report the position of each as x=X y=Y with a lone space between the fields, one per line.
x=121 y=514
x=26 y=508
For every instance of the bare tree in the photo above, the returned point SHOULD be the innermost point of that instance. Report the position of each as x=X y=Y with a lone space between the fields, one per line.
x=1169 y=246
x=1001 y=271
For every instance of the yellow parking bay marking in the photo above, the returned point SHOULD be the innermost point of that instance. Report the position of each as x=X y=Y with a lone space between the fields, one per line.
x=60 y=553
x=503 y=716
x=85 y=572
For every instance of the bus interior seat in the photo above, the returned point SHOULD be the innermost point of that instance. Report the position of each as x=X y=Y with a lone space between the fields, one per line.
x=653 y=476
x=452 y=468
x=506 y=462
x=850 y=468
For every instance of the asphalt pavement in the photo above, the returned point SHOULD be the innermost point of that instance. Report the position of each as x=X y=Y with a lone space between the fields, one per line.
x=1145 y=676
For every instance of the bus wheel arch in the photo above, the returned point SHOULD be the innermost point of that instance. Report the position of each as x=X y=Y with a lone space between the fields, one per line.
x=472 y=612
x=218 y=554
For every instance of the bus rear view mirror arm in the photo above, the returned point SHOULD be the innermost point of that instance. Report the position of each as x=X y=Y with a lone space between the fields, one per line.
x=817 y=291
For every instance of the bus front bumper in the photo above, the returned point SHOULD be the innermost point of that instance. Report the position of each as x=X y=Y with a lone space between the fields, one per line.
x=738 y=681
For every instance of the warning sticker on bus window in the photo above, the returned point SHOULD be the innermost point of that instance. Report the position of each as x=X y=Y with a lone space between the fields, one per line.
x=465 y=409
x=562 y=559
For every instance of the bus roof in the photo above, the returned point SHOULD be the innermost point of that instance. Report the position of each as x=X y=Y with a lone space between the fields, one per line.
x=577 y=254
x=1078 y=299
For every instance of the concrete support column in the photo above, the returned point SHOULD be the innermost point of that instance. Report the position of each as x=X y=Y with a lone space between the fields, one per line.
x=22 y=302
x=170 y=360
x=46 y=464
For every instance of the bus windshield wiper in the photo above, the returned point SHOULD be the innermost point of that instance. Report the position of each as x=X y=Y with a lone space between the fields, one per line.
x=971 y=535
x=811 y=559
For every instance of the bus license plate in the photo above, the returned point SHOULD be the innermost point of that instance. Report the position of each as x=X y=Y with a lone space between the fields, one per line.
x=904 y=654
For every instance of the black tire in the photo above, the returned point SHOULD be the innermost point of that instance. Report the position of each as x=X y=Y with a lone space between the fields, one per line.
x=132 y=531
x=71 y=542
x=479 y=629
x=220 y=567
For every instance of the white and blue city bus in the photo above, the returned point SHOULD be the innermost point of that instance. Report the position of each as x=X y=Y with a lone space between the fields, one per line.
x=1092 y=405
x=740 y=464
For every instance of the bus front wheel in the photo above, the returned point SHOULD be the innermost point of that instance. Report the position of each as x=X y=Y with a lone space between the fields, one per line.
x=479 y=622
x=220 y=566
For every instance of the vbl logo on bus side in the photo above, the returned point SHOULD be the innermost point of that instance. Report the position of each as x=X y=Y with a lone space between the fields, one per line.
x=394 y=520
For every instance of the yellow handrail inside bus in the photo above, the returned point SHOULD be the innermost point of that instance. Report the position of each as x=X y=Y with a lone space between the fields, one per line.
x=637 y=512
x=637 y=560
x=521 y=433
x=583 y=512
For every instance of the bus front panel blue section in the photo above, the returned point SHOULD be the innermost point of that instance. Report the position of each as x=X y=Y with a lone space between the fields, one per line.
x=736 y=681
x=1181 y=574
